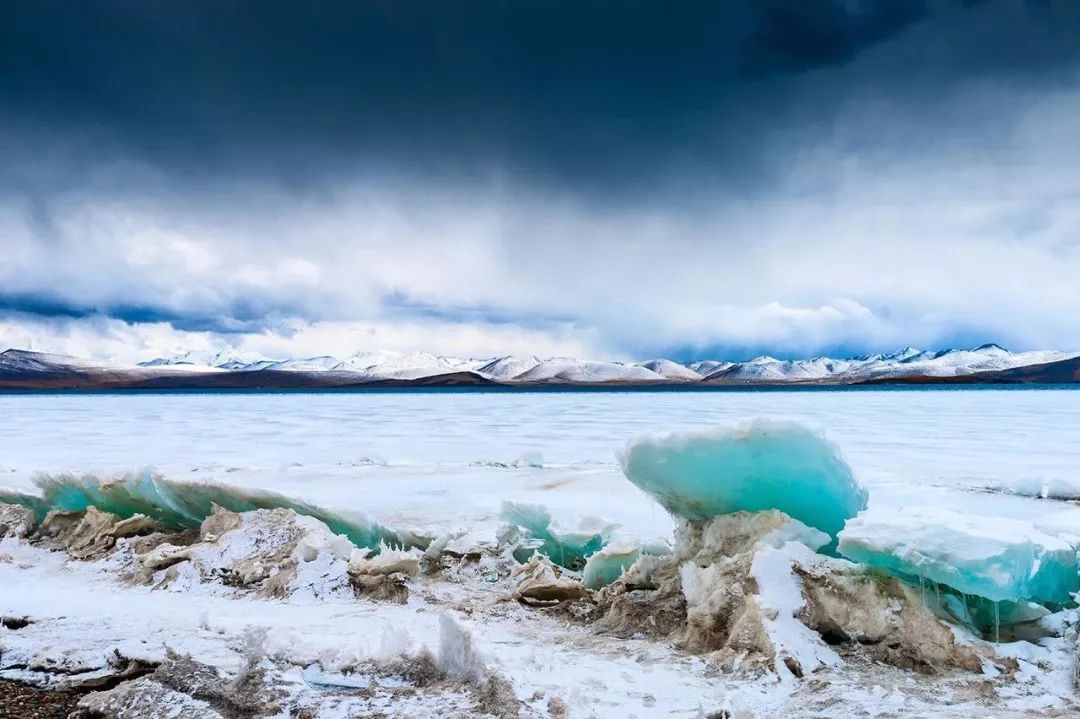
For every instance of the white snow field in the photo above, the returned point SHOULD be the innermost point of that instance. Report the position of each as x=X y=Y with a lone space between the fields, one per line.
x=451 y=466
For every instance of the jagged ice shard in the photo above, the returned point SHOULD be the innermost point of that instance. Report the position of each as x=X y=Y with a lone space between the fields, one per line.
x=566 y=546
x=754 y=466
x=608 y=564
x=998 y=559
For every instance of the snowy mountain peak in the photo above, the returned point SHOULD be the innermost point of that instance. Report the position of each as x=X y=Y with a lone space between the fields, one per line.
x=505 y=368
x=28 y=360
x=379 y=366
x=308 y=364
x=904 y=354
x=209 y=360
x=670 y=370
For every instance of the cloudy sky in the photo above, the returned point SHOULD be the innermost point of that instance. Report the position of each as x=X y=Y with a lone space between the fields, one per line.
x=606 y=179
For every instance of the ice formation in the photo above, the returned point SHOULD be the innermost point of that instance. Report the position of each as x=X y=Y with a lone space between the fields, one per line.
x=184 y=505
x=567 y=546
x=607 y=565
x=1062 y=488
x=273 y=552
x=746 y=589
x=754 y=466
x=997 y=559
x=387 y=561
x=541 y=582
x=749 y=589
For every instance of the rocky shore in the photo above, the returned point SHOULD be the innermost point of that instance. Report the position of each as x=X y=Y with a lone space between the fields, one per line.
x=22 y=701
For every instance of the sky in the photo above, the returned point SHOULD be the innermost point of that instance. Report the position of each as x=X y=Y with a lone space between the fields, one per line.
x=609 y=180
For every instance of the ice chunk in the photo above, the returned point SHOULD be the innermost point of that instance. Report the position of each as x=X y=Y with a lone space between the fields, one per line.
x=980 y=614
x=756 y=465
x=530 y=459
x=618 y=557
x=541 y=582
x=567 y=546
x=609 y=563
x=990 y=557
x=1062 y=488
x=387 y=561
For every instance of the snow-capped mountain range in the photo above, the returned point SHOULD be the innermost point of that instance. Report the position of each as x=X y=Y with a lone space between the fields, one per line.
x=421 y=367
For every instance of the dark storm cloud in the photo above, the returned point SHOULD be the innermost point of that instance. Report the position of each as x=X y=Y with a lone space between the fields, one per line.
x=791 y=37
x=583 y=95
x=254 y=314
x=628 y=177
x=398 y=304
x=241 y=315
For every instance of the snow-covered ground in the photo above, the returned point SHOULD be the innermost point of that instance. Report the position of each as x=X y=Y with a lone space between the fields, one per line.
x=85 y=622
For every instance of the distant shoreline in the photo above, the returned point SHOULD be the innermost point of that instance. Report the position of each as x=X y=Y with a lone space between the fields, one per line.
x=544 y=389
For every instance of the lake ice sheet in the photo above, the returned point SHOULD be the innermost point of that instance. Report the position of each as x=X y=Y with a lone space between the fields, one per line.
x=442 y=461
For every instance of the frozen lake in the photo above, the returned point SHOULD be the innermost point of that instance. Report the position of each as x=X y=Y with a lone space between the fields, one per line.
x=441 y=461
x=438 y=459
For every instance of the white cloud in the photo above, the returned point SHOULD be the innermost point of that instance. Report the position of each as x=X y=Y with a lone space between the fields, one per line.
x=850 y=251
x=101 y=339
x=115 y=340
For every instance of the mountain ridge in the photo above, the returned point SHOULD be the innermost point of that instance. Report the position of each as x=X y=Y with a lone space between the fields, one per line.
x=986 y=363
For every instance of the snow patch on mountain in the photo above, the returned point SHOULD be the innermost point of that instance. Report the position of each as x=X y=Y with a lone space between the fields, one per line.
x=670 y=370
x=15 y=360
x=956 y=362
x=310 y=364
x=708 y=367
x=509 y=367
x=568 y=369
x=209 y=361
x=520 y=369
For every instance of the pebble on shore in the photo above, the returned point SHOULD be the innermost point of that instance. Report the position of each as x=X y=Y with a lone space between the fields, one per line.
x=21 y=701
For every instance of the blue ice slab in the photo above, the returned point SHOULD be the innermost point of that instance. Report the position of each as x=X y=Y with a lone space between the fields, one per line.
x=754 y=466
x=999 y=559
x=184 y=505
